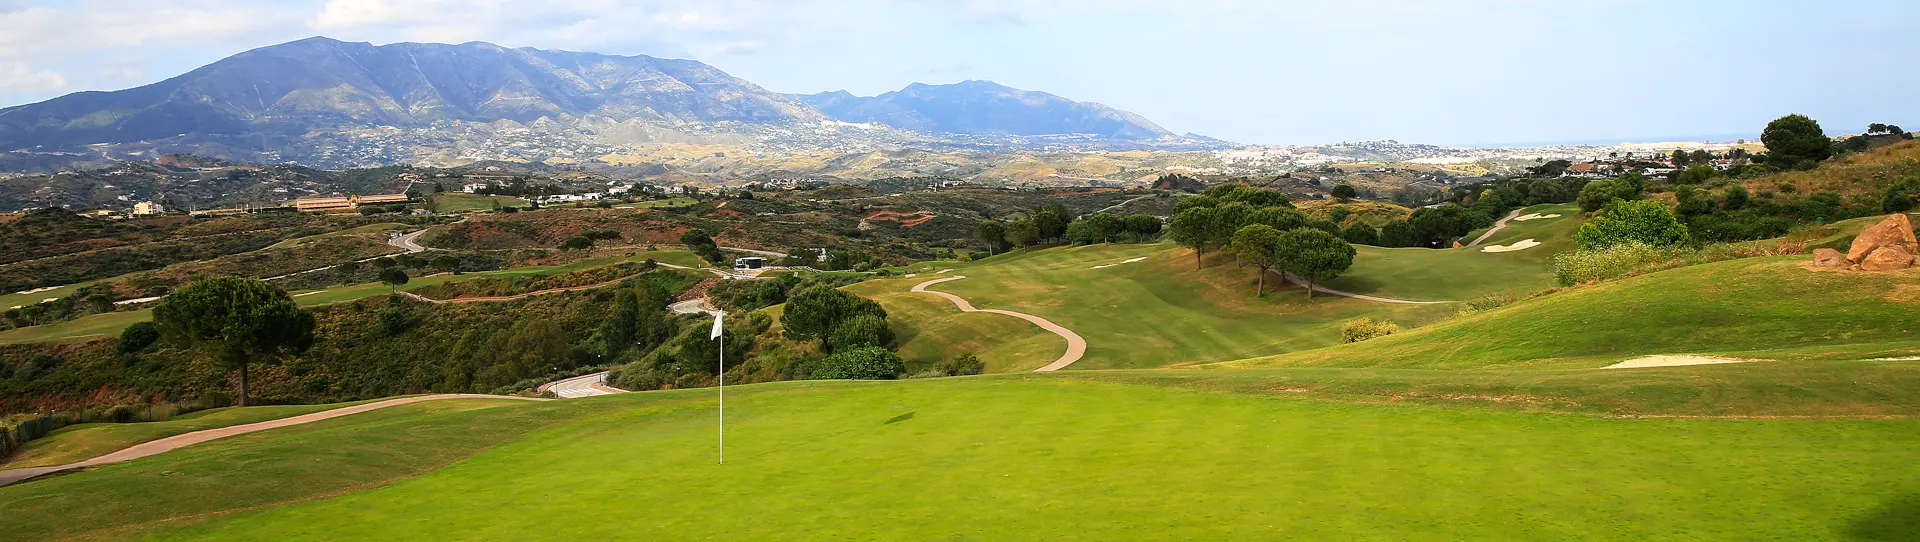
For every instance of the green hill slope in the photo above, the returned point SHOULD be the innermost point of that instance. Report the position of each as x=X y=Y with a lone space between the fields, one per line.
x=1761 y=307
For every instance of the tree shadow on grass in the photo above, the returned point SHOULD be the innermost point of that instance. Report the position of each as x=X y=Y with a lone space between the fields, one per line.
x=1898 y=519
x=1358 y=285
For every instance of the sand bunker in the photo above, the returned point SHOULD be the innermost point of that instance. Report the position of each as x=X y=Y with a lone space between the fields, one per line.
x=1522 y=245
x=307 y=293
x=38 y=290
x=1130 y=260
x=1535 y=216
x=1674 y=361
x=1903 y=358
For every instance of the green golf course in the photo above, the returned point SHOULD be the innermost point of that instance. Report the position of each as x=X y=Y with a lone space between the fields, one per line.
x=995 y=458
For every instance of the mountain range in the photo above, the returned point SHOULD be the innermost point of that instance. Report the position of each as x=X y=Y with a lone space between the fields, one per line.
x=331 y=103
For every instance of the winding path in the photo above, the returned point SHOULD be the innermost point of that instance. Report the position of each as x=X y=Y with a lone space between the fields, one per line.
x=1076 y=346
x=1496 y=227
x=145 y=449
x=581 y=386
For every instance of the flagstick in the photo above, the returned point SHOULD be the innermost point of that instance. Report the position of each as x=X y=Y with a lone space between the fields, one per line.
x=723 y=389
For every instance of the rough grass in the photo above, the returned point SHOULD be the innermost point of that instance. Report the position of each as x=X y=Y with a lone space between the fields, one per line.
x=453 y=202
x=929 y=329
x=89 y=440
x=1747 y=307
x=1000 y=458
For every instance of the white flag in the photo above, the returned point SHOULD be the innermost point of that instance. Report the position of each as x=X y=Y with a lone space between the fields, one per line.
x=716 y=326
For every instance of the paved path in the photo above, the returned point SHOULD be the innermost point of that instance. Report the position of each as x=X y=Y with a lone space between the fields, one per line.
x=1076 y=346
x=581 y=386
x=1325 y=290
x=406 y=241
x=693 y=306
x=1496 y=227
x=177 y=441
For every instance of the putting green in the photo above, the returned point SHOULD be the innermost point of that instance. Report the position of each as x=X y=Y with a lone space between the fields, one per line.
x=1002 y=458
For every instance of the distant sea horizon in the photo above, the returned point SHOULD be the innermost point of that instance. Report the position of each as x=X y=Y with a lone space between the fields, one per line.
x=1714 y=138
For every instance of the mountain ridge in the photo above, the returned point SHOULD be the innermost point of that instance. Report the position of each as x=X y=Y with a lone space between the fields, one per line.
x=331 y=103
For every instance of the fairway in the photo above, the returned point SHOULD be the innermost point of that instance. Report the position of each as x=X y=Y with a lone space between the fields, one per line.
x=1158 y=310
x=929 y=329
x=1769 y=308
x=1018 y=458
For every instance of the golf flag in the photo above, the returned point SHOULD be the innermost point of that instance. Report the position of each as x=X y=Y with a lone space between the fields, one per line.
x=716 y=326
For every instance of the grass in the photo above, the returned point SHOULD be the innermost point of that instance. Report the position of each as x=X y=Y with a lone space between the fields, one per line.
x=453 y=202
x=111 y=323
x=1452 y=274
x=657 y=203
x=17 y=299
x=1161 y=311
x=998 y=458
x=1554 y=234
x=930 y=329
x=1758 y=307
x=384 y=227
x=84 y=441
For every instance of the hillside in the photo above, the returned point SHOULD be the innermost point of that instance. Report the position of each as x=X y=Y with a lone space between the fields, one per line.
x=266 y=99
x=1768 y=308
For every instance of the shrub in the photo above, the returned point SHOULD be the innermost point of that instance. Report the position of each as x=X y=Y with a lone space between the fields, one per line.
x=869 y=363
x=1485 y=303
x=1366 y=328
x=1591 y=265
x=961 y=365
x=1644 y=222
x=859 y=332
x=138 y=337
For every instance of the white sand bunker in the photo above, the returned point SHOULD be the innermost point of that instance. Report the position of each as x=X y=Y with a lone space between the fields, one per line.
x=1534 y=216
x=304 y=294
x=1902 y=358
x=1130 y=260
x=1522 y=245
x=1674 y=361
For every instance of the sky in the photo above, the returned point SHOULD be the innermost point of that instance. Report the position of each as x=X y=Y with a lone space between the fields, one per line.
x=1468 y=72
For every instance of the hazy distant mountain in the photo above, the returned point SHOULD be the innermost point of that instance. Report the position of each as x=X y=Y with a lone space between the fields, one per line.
x=290 y=89
x=327 y=103
x=984 y=107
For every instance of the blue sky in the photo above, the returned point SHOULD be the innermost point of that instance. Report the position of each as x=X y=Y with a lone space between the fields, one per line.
x=1470 y=72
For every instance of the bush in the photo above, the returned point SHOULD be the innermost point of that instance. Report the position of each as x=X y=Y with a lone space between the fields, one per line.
x=1644 y=222
x=859 y=332
x=1592 y=265
x=961 y=365
x=869 y=363
x=138 y=337
x=1485 y=303
x=1366 y=328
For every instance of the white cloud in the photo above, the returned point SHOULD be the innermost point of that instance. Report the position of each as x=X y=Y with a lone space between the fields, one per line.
x=20 y=77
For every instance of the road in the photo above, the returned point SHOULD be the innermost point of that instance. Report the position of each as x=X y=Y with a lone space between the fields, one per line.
x=177 y=441
x=581 y=386
x=1076 y=346
x=407 y=241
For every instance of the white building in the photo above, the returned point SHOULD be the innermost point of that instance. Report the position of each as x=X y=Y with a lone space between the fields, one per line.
x=471 y=188
x=149 y=208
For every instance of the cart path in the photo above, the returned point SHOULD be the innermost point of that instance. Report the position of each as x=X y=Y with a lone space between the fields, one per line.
x=153 y=447
x=581 y=386
x=1497 y=226
x=1076 y=346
